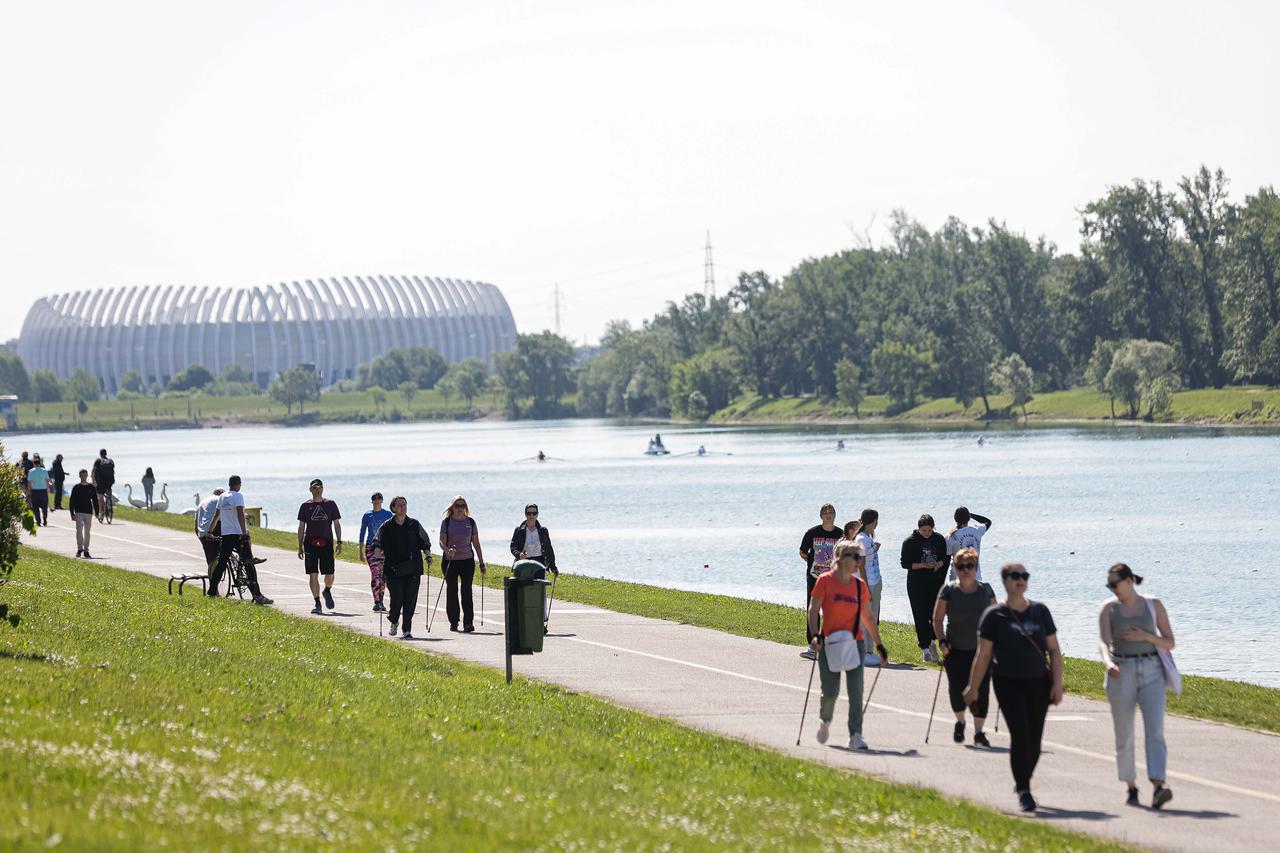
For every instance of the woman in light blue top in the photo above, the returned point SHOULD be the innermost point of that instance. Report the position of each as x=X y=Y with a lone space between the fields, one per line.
x=1134 y=630
x=369 y=524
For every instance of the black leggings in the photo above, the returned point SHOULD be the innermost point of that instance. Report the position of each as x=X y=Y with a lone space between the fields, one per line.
x=1025 y=702
x=810 y=580
x=922 y=590
x=404 y=598
x=459 y=573
x=958 y=663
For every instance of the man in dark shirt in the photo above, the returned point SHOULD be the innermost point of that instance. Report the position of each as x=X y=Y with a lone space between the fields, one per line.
x=104 y=477
x=84 y=506
x=59 y=476
x=319 y=540
x=818 y=550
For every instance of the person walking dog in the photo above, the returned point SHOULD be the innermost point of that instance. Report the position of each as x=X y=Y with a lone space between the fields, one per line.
x=840 y=621
x=1020 y=636
x=401 y=543
x=1134 y=630
x=962 y=604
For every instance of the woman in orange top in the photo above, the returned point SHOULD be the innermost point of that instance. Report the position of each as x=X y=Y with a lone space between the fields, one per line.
x=843 y=601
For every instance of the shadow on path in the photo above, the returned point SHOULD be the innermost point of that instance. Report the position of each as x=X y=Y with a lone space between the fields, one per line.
x=1050 y=813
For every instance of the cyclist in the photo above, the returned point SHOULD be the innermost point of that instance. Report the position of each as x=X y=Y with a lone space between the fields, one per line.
x=235 y=537
x=104 y=477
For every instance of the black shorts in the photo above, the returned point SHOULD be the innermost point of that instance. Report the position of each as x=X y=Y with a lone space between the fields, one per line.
x=103 y=488
x=318 y=559
x=210 y=544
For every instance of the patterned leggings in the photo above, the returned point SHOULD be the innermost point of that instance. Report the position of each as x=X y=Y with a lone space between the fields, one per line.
x=377 y=582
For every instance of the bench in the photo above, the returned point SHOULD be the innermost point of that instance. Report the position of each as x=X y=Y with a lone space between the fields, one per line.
x=182 y=580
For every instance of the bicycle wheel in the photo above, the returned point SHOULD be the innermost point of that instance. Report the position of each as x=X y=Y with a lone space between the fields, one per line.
x=237 y=577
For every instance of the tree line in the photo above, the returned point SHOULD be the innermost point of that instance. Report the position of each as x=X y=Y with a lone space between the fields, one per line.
x=1171 y=287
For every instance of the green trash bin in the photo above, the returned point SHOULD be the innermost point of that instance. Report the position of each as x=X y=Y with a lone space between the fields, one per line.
x=531 y=603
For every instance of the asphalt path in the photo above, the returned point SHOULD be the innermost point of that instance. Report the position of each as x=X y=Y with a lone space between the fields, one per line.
x=1225 y=779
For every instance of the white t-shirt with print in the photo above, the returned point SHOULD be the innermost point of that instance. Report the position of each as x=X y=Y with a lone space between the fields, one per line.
x=873 y=558
x=969 y=536
x=227 y=510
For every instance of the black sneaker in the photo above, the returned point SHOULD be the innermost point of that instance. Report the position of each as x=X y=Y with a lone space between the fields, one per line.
x=79 y=551
x=809 y=654
x=1132 y=799
x=1026 y=802
x=468 y=629
x=318 y=610
x=257 y=560
x=1160 y=797
x=328 y=598
x=263 y=600
x=87 y=555
x=958 y=734
x=453 y=626
x=980 y=739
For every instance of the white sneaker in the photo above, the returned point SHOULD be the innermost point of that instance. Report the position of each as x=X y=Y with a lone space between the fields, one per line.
x=824 y=731
x=871 y=659
x=856 y=742
x=929 y=654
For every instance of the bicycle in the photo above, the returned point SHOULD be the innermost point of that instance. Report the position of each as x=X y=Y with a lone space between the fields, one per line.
x=237 y=576
x=108 y=507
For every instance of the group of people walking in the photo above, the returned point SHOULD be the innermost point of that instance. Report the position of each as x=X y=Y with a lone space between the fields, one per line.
x=89 y=499
x=395 y=546
x=982 y=641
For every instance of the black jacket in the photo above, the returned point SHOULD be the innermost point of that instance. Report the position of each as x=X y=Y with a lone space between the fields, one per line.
x=402 y=546
x=917 y=549
x=548 y=553
x=56 y=473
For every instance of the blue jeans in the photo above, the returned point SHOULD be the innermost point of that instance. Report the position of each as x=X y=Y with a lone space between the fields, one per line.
x=1140 y=685
x=831 y=690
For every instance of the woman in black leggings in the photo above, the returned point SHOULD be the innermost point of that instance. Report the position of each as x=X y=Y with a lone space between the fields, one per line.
x=1028 y=672
x=962 y=604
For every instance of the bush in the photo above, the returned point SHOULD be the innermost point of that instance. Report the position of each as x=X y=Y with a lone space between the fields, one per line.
x=15 y=517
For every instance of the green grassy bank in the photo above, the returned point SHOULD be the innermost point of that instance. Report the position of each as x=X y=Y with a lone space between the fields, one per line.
x=1243 y=405
x=136 y=720
x=1233 y=702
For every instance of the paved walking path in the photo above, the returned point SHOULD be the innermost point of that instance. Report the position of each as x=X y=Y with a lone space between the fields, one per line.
x=1226 y=780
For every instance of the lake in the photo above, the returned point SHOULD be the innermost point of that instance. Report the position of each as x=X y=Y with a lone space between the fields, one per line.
x=1194 y=510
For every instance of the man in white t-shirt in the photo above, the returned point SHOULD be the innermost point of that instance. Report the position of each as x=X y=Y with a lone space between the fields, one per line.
x=235 y=537
x=968 y=532
x=866 y=537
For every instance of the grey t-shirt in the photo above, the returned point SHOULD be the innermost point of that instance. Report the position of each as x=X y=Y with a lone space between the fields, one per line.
x=964 y=609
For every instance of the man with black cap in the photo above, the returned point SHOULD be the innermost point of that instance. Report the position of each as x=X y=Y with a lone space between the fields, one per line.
x=319 y=540
x=925 y=557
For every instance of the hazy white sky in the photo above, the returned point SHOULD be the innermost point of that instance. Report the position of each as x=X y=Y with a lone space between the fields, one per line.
x=588 y=143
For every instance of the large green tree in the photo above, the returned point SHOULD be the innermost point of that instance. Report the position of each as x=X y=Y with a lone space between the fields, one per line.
x=294 y=387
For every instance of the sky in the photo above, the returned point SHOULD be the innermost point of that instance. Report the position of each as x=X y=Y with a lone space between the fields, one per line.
x=591 y=145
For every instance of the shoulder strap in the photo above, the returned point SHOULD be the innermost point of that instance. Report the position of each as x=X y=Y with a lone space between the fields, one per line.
x=1155 y=621
x=1039 y=653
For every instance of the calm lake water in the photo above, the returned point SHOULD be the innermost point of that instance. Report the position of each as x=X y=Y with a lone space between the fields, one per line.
x=1192 y=509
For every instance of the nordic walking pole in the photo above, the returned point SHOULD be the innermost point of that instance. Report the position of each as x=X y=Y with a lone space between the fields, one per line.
x=554 y=577
x=807 y=691
x=444 y=563
x=997 y=716
x=934 y=706
x=482 y=586
x=872 y=691
x=428 y=574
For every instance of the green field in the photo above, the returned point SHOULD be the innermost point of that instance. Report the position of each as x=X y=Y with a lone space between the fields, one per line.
x=1244 y=405
x=137 y=720
x=1248 y=705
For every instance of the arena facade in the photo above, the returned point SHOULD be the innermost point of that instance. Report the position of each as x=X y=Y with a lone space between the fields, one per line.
x=334 y=324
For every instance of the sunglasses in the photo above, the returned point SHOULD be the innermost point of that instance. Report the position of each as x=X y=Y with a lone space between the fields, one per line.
x=960 y=567
x=1113 y=584
x=531 y=515
x=1017 y=576
x=459 y=506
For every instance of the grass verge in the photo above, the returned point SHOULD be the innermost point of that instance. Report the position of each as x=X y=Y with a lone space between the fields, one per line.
x=1249 y=705
x=160 y=721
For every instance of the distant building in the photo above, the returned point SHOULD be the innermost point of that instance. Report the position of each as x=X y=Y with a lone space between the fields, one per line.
x=335 y=323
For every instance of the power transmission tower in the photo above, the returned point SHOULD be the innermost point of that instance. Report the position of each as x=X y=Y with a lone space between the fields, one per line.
x=556 y=297
x=709 y=273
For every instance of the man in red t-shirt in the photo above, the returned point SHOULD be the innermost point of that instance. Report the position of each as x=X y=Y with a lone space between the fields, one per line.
x=841 y=601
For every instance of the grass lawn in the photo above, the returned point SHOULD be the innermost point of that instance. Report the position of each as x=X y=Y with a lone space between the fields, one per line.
x=1244 y=405
x=1234 y=702
x=137 y=720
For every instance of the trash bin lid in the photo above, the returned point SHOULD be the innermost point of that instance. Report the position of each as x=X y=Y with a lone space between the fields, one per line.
x=526 y=570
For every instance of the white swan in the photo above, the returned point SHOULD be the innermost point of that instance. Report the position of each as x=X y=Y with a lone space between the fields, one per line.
x=191 y=510
x=163 y=504
x=136 y=504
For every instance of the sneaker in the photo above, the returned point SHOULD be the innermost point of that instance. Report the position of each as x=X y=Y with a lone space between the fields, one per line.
x=824 y=731
x=87 y=555
x=262 y=599
x=79 y=551
x=391 y=632
x=379 y=607
x=328 y=598
x=1132 y=799
x=318 y=610
x=958 y=734
x=980 y=739
x=1160 y=797
x=809 y=654
x=1026 y=802
x=856 y=742
x=468 y=629
x=257 y=560
x=453 y=626
x=871 y=659
x=406 y=636
x=929 y=654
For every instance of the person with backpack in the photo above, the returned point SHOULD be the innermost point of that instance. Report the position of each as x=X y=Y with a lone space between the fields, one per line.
x=319 y=541
x=840 y=621
x=104 y=477
x=1133 y=631
x=1020 y=637
x=372 y=557
x=818 y=549
x=924 y=556
x=460 y=544
x=962 y=604
x=401 y=542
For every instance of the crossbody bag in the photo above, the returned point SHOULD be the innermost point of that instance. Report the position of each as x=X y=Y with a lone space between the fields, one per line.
x=841 y=647
x=1172 y=678
x=1040 y=655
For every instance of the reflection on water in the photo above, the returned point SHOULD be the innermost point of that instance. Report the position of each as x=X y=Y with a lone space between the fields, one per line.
x=1192 y=509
